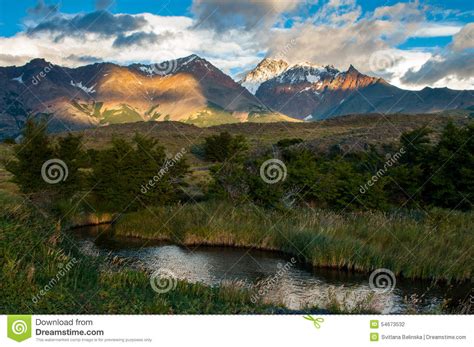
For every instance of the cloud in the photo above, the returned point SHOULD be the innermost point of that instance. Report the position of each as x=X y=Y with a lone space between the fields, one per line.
x=158 y=38
x=140 y=38
x=84 y=59
x=233 y=35
x=103 y=4
x=454 y=65
x=223 y=15
x=338 y=34
x=13 y=59
x=98 y=22
x=437 y=30
x=42 y=10
x=328 y=39
x=459 y=66
x=402 y=11
x=464 y=39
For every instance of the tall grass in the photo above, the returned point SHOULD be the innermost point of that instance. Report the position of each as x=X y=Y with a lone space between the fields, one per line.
x=33 y=250
x=437 y=245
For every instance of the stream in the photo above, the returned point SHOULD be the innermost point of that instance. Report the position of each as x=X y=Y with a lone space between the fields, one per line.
x=271 y=276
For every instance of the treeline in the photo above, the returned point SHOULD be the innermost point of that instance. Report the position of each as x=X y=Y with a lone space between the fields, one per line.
x=417 y=173
x=131 y=175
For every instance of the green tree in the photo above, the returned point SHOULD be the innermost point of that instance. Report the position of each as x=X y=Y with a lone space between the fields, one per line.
x=451 y=168
x=222 y=147
x=69 y=150
x=411 y=171
x=283 y=143
x=132 y=175
x=42 y=165
x=33 y=151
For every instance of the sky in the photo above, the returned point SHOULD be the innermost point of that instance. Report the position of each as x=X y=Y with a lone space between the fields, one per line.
x=412 y=44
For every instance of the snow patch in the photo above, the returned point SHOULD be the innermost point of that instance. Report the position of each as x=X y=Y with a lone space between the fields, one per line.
x=147 y=69
x=83 y=87
x=313 y=78
x=190 y=59
x=19 y=79
x=266 y=70
x=308 y=117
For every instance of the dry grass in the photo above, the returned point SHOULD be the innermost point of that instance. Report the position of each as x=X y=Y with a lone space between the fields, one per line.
x=351 y=132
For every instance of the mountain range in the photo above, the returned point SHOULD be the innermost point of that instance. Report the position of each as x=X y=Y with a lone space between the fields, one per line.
x=308 y=91
x=193 y=90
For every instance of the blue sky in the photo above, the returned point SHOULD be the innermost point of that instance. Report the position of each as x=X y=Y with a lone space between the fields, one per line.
x=392 y=39
x=13 y=12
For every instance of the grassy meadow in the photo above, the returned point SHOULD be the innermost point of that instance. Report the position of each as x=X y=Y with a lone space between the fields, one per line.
x=350 y=132
x=417 y=243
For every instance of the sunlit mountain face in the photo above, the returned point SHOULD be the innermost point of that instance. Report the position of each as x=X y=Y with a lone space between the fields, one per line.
x=209 y=62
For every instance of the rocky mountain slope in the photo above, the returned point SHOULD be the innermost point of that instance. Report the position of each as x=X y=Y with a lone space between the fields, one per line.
x=192 y=90
x=188 y=89
x=308 y=91
x=264 y=71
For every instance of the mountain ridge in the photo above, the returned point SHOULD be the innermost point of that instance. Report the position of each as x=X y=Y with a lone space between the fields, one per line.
x=189 y=89
x=192 y=90
x=309 y=91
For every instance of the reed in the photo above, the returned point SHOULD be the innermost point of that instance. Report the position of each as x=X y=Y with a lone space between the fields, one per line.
x=33 y=251
x=435 y=245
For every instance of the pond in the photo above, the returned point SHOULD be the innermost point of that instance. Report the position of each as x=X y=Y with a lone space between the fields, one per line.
x=271 y=276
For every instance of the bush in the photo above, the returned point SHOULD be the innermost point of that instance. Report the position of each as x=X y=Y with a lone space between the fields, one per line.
x=222 y=147
x=417 y=173
x=131 y=175
x=9 y=141
x=32 y=153
x=288 y=142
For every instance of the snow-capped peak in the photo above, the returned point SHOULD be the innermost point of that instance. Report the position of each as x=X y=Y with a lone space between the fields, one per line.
x=307 y=72
x=304 y=72
x=267 y=69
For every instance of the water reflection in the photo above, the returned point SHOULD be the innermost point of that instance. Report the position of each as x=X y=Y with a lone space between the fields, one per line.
x=271 y=277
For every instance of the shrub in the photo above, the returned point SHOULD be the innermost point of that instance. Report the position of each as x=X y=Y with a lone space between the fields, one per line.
x=419 y=174
x=131 y=175
x=35 y=149
x=222 y=147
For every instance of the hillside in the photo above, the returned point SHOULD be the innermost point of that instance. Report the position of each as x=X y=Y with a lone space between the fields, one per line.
x=351 y=133
x=190 y=90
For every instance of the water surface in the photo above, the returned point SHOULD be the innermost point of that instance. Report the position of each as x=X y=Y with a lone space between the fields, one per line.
x=271 y=276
